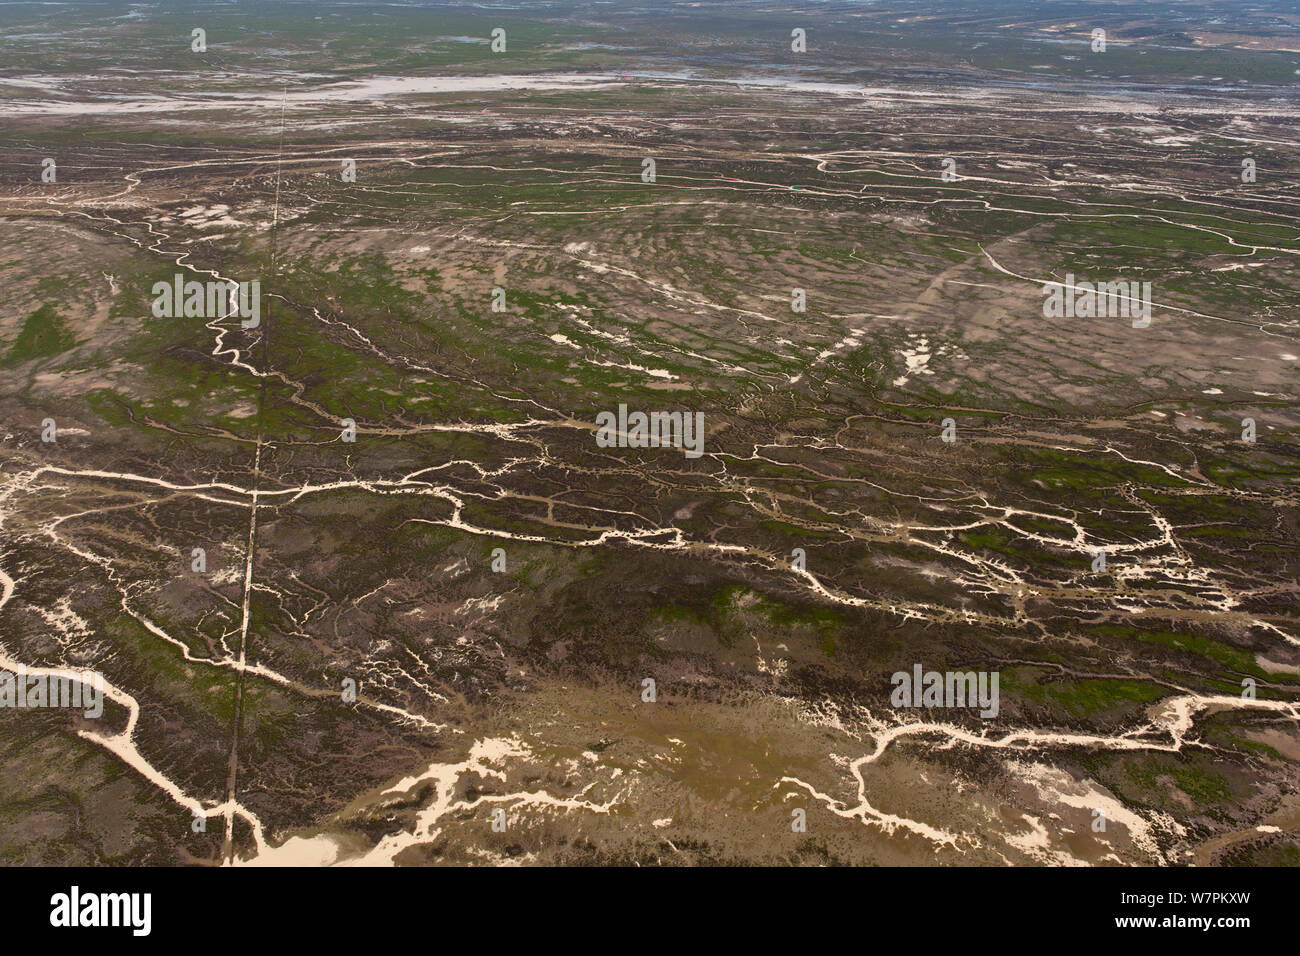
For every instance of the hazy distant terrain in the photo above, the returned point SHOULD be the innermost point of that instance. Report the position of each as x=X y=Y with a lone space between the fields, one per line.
x=429 y=590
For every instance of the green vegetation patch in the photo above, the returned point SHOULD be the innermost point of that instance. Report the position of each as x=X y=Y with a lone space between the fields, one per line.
x=44 y=334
